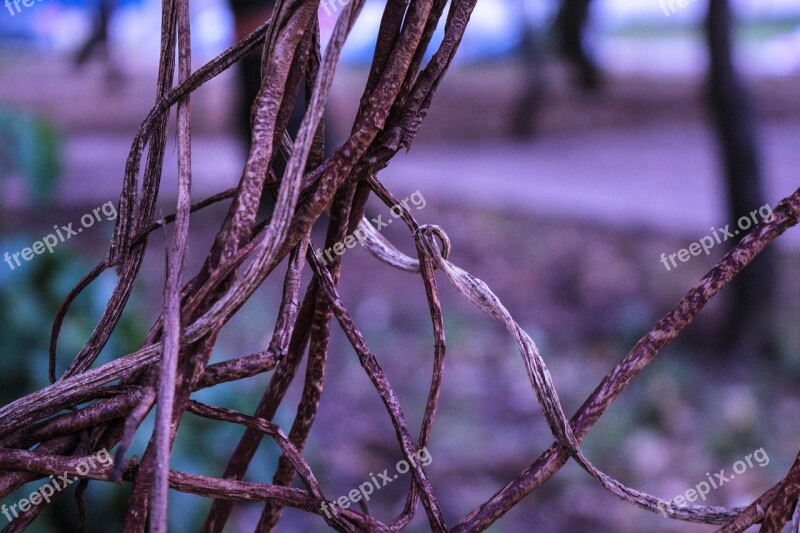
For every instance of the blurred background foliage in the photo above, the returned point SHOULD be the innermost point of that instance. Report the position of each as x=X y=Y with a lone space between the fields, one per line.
x=30 y=148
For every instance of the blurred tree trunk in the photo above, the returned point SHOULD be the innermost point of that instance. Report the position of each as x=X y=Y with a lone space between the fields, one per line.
x=247 y=16
x=571 y=28
x=748 y=325
x=530 y=104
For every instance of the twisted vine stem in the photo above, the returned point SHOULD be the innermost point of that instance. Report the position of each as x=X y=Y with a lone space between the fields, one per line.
x=173 y=360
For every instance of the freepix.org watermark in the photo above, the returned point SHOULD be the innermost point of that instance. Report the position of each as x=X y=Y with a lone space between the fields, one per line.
x=702 y=489
x=331 y=7
x=16 y=3
x=672 y=5
x=101 y=459
x=376 y=483
x=358 y=236
x=718 y=236
x=62 y=234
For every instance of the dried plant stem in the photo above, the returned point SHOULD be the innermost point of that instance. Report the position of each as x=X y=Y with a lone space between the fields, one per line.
x=51 y=431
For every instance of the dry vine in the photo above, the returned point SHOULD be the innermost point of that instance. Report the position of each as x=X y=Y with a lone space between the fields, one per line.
x=173 y=361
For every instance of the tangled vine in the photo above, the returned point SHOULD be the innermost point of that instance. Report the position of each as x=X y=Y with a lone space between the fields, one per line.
x=88 y=409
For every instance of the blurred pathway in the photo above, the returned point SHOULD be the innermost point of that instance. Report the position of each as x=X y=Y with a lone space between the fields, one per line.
x=658 y=177
x=638 y=154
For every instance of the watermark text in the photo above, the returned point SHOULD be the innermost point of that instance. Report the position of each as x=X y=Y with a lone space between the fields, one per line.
x=358 y=236
x=718 y=236
x=376 y=483
x=101 y=459
x=702 y=489
x=63 y=233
